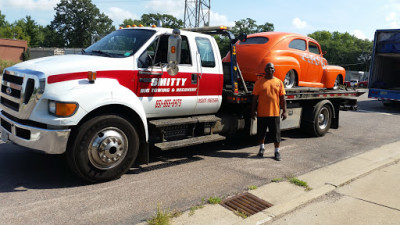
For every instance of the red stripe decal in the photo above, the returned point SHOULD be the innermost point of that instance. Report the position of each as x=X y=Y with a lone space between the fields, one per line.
x=124 y=77
x=66 y=77
x=157 y=84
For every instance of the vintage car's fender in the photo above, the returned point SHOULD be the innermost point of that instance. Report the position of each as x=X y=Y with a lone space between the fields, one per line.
x=103 y=92
x=283 y=64
x=330 y=74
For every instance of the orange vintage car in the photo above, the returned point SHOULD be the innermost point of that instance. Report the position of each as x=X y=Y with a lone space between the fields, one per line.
x=298 y=60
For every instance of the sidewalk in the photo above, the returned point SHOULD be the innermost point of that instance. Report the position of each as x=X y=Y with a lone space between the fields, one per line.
x=364 y=189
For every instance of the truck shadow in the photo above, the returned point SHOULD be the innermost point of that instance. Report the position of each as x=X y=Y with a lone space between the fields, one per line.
x=375 y=106
x=225 y=149
x=164 y=159
x=22 y=169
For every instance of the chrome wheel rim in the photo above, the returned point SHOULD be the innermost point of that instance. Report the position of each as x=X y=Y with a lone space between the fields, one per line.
x=336 y=84
x=289 y=79
x=323 y=118
x=108 y=148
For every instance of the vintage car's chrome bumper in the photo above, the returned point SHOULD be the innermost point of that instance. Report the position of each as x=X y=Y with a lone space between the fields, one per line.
x=46 y=140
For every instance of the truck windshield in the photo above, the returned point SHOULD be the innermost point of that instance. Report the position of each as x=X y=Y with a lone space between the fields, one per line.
x=120 y=43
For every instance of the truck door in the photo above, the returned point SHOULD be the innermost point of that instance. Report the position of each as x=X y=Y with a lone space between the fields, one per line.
x=162 y=94
x=209 y=80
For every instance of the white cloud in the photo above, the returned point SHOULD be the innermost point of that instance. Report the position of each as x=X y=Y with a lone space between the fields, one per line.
x=118 y=15
x=298 y=23
x=42 y=5
x=217 y=19
x=393 y=20
x=359 y=34
x=171 y=7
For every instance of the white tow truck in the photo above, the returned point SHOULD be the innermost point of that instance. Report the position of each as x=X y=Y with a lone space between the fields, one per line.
x=140 y=87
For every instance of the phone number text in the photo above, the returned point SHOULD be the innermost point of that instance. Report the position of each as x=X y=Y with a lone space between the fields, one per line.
x=168 y=103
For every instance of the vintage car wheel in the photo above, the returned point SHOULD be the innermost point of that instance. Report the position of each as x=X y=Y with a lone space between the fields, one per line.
x=290 y=79
x=337 y=82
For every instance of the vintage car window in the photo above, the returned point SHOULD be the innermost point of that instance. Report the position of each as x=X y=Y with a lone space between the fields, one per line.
x=298 y=44
x=206 y=52
x=313 y=48
x=255 y=41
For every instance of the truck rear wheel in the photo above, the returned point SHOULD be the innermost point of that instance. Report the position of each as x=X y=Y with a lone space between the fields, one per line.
x=322 y=114
x=103 y=148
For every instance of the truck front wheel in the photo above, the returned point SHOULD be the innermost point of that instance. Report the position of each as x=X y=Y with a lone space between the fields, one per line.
x=103 y=148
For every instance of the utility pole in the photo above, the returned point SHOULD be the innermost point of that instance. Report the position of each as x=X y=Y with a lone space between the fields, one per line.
x=197 y=13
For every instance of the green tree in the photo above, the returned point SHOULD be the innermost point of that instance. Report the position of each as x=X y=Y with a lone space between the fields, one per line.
x=5 y=30
x=265 y=27
x=32 y=30
x=147 y=20
x=3 y=21
x=51 y=37
x=77 y=21
x=13 y=32
x=344 y=49
x=249 y=26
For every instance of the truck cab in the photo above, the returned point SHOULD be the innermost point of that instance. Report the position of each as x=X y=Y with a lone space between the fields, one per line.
x=123 y=78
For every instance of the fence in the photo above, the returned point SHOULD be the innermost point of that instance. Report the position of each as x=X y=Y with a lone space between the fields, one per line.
x=43 y=52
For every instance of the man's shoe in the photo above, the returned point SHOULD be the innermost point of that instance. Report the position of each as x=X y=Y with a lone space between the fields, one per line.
x=261 y=152
x=277 y=156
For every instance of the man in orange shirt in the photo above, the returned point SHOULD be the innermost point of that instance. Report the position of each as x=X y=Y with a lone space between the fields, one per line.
x=269 y=97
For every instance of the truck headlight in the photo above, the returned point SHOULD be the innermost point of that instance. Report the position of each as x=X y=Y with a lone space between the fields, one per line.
x=62 y=109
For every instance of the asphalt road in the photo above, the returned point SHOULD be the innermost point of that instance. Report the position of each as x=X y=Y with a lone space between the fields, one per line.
x=38 y=188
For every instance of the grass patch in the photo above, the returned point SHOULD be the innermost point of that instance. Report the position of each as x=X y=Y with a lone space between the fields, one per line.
x=252 y=187
x=241 y=214
x=4 y=64
x=194 y=208
x=162 y=217
x=298 y=182
x=277 y=180
x=214 y=200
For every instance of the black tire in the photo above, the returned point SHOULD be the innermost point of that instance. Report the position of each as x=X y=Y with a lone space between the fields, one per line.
x=321 y=119
x=115 y=146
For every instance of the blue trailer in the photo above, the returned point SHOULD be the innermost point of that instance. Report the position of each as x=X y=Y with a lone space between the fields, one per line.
x=384 y=79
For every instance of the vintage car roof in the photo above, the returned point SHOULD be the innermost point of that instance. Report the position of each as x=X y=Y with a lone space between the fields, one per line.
x=277 y=36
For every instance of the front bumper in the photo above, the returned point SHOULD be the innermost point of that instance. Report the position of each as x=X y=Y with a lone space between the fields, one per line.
x=45 y=140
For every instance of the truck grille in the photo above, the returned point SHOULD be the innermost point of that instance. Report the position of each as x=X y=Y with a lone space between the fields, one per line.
x=20 y=91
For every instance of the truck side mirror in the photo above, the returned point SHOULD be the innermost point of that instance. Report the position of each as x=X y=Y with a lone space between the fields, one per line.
x=174 y=52
x=324 y=52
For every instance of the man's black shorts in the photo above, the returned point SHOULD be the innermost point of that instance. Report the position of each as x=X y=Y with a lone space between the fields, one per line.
x=273 y=125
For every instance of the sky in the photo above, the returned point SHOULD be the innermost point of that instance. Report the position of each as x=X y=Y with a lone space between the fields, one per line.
x=357 y=17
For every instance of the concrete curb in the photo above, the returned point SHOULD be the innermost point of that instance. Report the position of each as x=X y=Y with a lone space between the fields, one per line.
x=286 y=197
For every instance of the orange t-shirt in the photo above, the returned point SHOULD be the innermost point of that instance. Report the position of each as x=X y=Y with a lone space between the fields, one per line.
x=268 y=92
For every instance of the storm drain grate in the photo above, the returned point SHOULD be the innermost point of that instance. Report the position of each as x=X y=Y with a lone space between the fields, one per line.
x=246 y=203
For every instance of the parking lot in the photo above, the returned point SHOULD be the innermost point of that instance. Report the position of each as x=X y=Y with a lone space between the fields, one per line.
x=38 y=188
